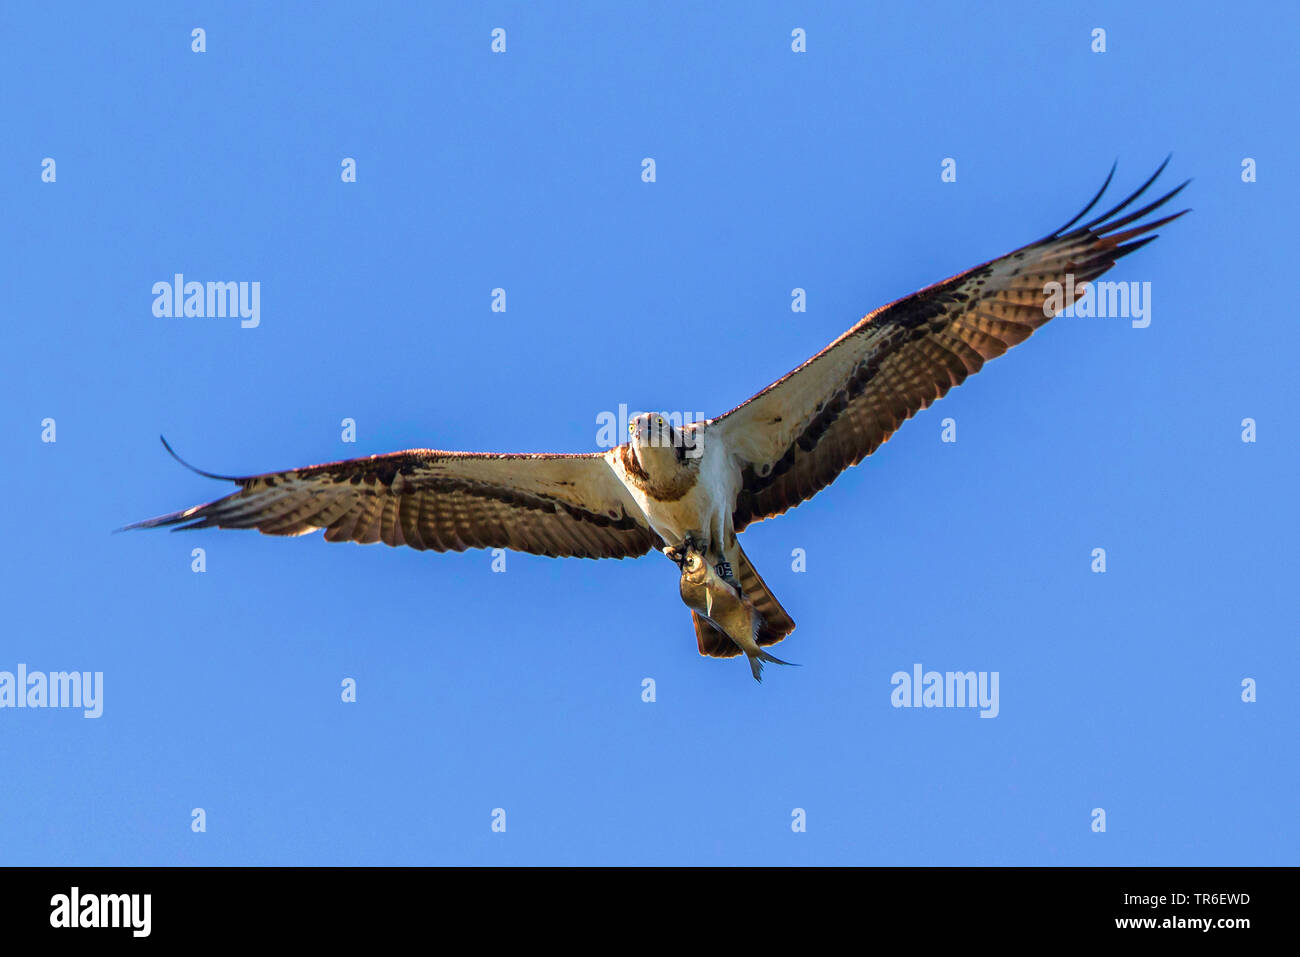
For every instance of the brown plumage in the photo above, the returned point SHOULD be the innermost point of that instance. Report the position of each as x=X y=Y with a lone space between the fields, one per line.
x=903 y=356
x=554 y=505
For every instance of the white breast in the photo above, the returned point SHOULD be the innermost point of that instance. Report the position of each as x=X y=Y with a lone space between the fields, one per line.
x=706 y=509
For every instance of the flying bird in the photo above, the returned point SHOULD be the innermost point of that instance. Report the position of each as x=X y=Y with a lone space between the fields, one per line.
x=689 y=490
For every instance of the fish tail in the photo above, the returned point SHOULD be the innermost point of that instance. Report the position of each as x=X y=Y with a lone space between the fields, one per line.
x=756 y=660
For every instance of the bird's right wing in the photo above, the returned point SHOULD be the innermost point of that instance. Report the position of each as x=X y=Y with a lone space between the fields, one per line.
x=556 y=505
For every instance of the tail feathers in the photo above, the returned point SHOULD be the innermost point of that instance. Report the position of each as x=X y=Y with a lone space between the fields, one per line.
x=774 y=622
x=712 y=640
x=714 y=643
x=777 y=623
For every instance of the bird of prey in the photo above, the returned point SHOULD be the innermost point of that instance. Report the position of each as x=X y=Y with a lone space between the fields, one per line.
x=690 y=490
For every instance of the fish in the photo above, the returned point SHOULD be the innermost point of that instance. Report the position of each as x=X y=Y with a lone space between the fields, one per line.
x=707 y=592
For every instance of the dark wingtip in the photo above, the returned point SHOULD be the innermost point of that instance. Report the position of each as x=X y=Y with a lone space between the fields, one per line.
x=175 y=518
x=1105 y=220
x=147 y=523
x=161 y=520
x=1093 y=202
x=197 y=471
x=1134 y=195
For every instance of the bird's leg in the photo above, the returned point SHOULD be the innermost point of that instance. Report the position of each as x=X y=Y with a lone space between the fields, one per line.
x=725 y=569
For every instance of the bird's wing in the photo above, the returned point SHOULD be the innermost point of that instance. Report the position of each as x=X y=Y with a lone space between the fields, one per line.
x=797 y=435
x=557 y=505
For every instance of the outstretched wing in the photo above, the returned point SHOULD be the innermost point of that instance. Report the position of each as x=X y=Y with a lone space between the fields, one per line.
x=797 y=435
x=556 y=505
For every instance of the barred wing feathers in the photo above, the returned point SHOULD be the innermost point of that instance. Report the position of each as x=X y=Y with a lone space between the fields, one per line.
x=554 y=505
x=797 y=435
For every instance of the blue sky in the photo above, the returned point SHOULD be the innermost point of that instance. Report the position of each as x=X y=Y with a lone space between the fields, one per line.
x=523 y=690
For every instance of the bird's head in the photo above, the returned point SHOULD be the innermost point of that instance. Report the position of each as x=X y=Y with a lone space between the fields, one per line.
x=651 y=430
x=662 y=448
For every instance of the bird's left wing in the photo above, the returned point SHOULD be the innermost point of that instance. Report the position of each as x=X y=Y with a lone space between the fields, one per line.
x=556 y=505
x=797 y=435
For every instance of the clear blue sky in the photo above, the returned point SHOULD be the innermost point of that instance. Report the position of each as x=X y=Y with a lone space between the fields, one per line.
x=522 y=690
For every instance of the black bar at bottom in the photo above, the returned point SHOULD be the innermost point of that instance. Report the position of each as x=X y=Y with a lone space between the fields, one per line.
x=336 y=905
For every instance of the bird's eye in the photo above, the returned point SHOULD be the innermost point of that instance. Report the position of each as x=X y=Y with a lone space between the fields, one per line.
x=631 y=428
x=660 y=422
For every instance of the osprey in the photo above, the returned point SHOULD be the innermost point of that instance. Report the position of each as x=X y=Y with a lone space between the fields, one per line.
x=690 y=490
